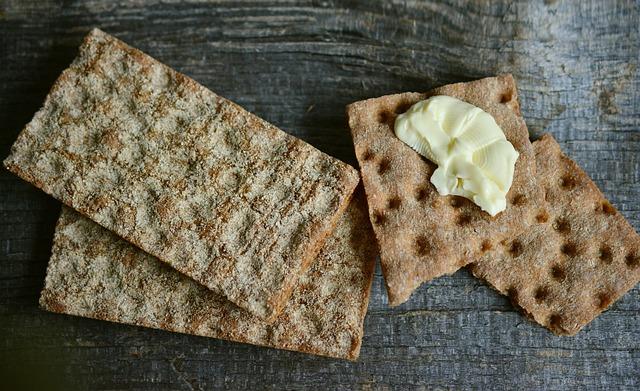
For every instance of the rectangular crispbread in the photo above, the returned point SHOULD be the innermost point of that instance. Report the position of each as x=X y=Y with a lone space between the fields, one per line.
x=93 y=273
x=421 y=234
x=221 y=195
x=580 y=256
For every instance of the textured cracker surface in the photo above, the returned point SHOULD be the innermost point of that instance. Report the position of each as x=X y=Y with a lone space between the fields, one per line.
x=579 y=258
x=190 y=177
x=94 y=273
x=421 y=234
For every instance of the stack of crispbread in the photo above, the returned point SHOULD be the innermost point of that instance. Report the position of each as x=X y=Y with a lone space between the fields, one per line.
x=423 y=235
x=560 y=250
x=187 y=213
x=236 y=210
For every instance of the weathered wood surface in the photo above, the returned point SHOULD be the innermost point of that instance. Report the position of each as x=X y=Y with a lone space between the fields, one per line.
x=297 y=65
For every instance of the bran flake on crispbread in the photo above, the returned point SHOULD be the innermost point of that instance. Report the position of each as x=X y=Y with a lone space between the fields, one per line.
x=421 y=234
x=580 y=256
x=188 y=176
x=93 y=273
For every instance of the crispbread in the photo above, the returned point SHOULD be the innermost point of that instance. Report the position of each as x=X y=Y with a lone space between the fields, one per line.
x=188 y=176
x=579 y=258
x=93 y=273
x=421 y=234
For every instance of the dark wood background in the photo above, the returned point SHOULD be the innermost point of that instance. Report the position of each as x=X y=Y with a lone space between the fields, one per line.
x=297 y=65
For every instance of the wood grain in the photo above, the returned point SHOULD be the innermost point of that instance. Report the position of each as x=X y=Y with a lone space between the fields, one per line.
x=297 y=65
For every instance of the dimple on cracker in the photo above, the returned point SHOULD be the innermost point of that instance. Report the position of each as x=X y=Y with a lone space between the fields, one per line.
x=421 y=234
x=188 y=176
x=580 y=256
x=93 y=273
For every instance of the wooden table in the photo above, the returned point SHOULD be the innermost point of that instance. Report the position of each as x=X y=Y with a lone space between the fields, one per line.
x=298 y=65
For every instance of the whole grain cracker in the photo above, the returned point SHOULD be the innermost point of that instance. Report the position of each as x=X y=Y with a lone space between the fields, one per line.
x=421 y=234
x=579 y=258
x=93 y=273
x=188 y=176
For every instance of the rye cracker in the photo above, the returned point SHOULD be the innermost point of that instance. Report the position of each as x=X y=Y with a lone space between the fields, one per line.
x=579 y=258
x=94 y=273
x=186 y=175
x=423 y=235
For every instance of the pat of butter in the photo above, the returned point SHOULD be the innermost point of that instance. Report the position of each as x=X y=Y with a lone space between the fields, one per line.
x=475 y=160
